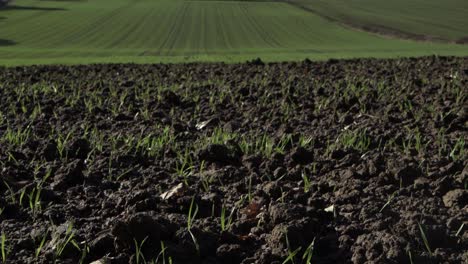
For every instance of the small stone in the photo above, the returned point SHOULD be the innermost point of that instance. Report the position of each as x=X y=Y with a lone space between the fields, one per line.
x=458 y=197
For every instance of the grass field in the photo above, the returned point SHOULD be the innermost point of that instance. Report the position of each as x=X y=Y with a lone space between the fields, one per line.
x=439 y=19
x=41 y=32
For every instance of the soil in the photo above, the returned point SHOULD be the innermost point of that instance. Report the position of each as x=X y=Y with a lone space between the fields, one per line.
x=346 y=161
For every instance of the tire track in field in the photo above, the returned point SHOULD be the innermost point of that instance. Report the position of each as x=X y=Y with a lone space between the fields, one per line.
x=177 y=33
x=146 y=42
x=222 y=28
x=92 y=30
x=172 y=32
x=379 y=30
x=266 y=38
x=128 y=30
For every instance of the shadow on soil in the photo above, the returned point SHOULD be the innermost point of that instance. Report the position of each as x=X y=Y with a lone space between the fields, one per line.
x=31 y=8
x=6 y=42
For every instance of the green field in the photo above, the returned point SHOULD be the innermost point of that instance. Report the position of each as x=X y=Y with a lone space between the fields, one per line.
x=39 y=32
x=447 y=19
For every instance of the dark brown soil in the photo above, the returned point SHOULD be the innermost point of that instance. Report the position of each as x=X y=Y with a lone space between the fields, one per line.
x=359 y=161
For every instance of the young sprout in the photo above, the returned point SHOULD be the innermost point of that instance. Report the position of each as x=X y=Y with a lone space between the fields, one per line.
x=458 y=151
x=204 y=179
x=62 y=142
x=162 y=254
x=191 y=217
x=307 y=183
x=226 y=221
x=425 y=240
x=61 y=244
x=138 y=253
x=35 y=200
x=390 y=199
x=3 y=248
x=291 y=254
x=41 y=245
x=17 y=137
x=309 y=252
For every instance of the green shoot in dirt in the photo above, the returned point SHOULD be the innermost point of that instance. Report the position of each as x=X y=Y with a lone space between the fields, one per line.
x=458 y=151
x=162 y=254
x=41 y=245
x=35 y=200
x=62 y=243
x=17 y=137
x=291 y=254
x=309 y=252
x=62 y=142
x=138 y=253
x=226 y=221
x=307 y=183
x=3 y=248
x=425 y=240
x=185 y=167
x=191 y=216
x=390 y=199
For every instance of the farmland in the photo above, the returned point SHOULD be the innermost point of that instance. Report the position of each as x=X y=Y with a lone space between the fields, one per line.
x=300 y=162
x=114 y=151
x=144 y=31
x=416 y=19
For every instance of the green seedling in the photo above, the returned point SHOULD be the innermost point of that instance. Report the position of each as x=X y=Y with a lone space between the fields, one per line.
x=307 y=183
x=191 y=217
x=62 y=142
x=22 y=193
x=458 y=151
x=41 y=245
x=138 y=253
x=62 y=243
x=226 y=221
x=84 y=253
x=309 y=253
x=206 y=181
x=291 y=254
x=162 y=254
x=192 y=213
x=17 y=137
x=185 y=167
x=219 y=136
x=305 y=141
x=390 y=199
x=425 y=240
x=357 y=139
x=3 y=248
x=35 y=200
